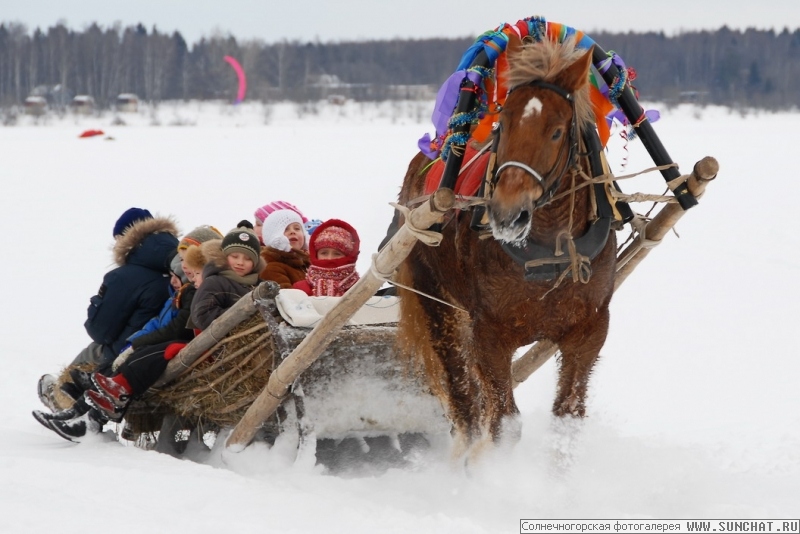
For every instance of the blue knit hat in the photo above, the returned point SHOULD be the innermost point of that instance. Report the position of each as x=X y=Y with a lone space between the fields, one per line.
x=128 y=218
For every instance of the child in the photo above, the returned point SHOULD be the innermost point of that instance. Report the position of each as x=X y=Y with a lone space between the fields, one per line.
x=333 y=250
x=166 y=327
x=129 y=295
x=162 y=327
x=264 y=211
x=285 y=245
x=198 y=236
x=230 y=273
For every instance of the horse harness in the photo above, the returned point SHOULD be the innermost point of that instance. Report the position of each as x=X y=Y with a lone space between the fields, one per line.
x=542 y=263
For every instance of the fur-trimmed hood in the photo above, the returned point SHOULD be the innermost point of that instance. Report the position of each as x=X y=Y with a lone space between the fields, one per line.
x=150 y=243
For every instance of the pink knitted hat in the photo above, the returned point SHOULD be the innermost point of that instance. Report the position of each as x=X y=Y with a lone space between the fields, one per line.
x=263 y=212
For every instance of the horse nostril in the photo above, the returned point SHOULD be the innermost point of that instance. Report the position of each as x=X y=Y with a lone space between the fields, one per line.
x=524 y=217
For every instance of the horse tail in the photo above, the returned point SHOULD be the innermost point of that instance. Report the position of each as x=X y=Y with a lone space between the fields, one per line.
x=414 y=342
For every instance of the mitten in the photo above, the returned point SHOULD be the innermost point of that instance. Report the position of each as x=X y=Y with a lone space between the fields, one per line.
x=280 y=242
x=121 y=358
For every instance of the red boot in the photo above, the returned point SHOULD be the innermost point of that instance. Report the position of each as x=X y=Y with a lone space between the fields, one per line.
x=116 y=389
x=105 y=405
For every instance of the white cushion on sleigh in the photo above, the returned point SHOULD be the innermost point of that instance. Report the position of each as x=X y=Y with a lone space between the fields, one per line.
x=298 y=309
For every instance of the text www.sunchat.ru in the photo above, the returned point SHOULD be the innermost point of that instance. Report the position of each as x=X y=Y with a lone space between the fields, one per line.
x=635 y=526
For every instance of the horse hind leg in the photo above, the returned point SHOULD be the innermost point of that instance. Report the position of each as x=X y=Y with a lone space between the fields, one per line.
x=450 y=370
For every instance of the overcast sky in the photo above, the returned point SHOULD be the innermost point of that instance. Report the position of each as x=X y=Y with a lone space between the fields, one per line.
x=329 y=20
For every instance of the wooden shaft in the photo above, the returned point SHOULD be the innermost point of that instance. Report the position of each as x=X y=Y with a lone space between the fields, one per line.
x=528 y=363
x=244 y=308
x=704 y=171
x=313 y=345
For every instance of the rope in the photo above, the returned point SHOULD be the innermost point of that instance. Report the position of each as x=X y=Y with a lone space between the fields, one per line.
x=429 y=237
x=609 y=178
x=389 y=278
x=579 y=265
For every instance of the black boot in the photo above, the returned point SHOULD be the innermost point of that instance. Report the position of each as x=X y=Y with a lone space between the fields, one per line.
x=75 y=429
x=79 y=408
x=81 y=379
x=45 y=417
x=71 y=390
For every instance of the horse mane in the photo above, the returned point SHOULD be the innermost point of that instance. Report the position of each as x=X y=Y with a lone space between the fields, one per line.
x=543 y=61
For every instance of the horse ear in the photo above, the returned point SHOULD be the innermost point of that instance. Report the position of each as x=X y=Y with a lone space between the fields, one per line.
x=576 y=75
x=514 y=46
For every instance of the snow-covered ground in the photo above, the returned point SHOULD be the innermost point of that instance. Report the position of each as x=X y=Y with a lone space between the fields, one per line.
x=694 y=406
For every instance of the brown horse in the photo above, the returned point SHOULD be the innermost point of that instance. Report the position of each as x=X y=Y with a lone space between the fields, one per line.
x=467 y=352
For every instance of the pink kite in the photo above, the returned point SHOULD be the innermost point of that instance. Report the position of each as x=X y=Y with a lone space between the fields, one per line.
x=242 y=79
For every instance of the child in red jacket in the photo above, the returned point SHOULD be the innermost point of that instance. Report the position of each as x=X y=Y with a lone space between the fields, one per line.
x=333 y=250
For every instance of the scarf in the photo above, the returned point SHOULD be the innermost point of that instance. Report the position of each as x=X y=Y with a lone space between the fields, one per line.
x=331 y=282
x=248 y=280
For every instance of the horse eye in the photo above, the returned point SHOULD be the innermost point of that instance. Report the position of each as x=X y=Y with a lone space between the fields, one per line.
x=557 y=135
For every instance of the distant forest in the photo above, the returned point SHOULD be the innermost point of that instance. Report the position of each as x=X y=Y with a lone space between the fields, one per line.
x=752 y=68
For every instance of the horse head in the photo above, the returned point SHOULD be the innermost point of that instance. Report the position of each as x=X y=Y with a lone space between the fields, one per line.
x=538 y=133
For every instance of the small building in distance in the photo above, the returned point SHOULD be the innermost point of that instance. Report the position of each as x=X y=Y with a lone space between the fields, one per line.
x=127 y=103
x=83 y=104
x=35 y=105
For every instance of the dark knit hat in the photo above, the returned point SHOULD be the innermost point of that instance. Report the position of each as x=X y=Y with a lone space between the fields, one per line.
x=242 y=240
x=128 y=218
x=198 y=236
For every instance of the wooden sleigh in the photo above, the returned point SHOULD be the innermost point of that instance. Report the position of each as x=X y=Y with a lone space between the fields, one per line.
x=334 y=383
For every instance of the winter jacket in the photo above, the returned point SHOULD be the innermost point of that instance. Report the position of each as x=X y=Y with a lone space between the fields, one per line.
x=167 y=314
x=136 y=289
x=285 y=268
x=221 y=288
x=175 y=329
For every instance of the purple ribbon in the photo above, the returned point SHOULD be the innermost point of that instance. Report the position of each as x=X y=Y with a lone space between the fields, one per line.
x=651 y=114
x=446 y=101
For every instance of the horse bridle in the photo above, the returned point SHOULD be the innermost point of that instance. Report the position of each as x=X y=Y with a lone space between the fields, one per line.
x=572 y=142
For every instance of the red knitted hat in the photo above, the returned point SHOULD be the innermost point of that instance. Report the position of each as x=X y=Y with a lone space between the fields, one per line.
x=336 y=237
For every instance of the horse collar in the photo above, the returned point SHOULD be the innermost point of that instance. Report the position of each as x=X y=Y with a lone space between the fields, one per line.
x=588 y=245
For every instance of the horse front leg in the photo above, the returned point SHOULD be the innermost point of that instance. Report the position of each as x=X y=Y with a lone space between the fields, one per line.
x=493 y=354
x=580 y=349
